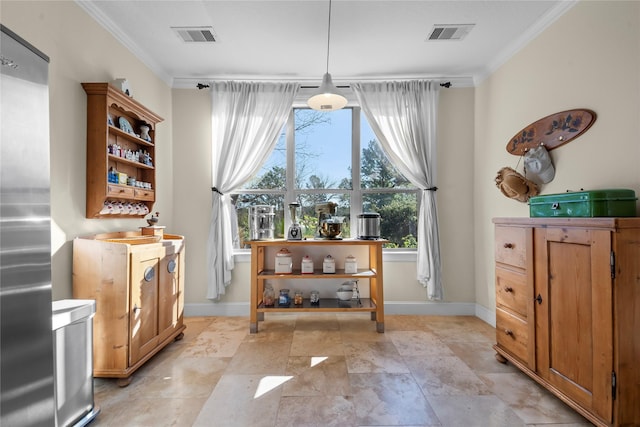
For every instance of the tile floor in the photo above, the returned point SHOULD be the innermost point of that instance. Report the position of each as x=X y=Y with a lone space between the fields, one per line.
x=330 y=370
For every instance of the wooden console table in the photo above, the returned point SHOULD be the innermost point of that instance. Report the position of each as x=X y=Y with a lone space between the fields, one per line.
x=263 y=258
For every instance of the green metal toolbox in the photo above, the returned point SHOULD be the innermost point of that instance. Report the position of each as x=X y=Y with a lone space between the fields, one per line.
x=594 y=203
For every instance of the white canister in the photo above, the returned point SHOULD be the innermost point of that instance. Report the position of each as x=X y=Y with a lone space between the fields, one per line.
x=329 y=264
x=350 y=265
x=307 y=265
x=284 y=264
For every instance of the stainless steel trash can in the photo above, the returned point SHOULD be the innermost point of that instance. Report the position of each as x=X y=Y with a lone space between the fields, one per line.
x=72 y=328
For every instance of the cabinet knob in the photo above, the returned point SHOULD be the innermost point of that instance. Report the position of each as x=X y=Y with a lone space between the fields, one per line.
x=539 y=299
x=508 y=245
x=508 y=289
x=135 y=309
x=508 y=332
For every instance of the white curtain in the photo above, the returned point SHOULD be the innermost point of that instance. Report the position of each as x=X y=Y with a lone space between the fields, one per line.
x=403 y=117
x=247 y=118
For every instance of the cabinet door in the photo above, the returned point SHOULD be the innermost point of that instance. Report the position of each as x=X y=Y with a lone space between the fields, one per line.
x=574 y=314
x=143 y=315
x=169 y=293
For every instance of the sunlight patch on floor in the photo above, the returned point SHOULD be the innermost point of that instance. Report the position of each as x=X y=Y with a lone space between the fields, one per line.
x=268 y=383
x=316 y=360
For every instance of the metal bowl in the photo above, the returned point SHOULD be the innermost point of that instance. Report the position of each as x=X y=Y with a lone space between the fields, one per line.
x=331 y=230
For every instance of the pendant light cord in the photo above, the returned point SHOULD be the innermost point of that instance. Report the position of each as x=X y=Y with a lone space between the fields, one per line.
x=328 y=36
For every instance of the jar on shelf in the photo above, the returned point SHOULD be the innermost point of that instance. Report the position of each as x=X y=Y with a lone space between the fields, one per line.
x=314 y=297
x=329 y=265
x=307 y=265
x=283 y=261
x=284 y=300
x=297 y=298
x=350 y=265
x=269 y=296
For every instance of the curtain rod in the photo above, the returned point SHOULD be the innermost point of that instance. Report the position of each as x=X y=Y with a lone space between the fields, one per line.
x=204 y=86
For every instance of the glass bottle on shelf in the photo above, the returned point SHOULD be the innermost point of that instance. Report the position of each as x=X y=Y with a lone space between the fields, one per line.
x=283 y=299
x=297 y=298
x=269 y=296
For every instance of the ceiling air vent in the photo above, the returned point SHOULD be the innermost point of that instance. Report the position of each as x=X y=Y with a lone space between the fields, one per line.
x=195 y=34
x=450 y=32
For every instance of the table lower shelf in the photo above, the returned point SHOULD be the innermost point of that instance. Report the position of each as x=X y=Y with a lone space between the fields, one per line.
x=326 y=304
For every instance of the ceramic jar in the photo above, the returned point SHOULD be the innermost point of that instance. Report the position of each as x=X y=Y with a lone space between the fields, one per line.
x=284 y=263
x=307 y=265
x=350 y=265
x=329 y=265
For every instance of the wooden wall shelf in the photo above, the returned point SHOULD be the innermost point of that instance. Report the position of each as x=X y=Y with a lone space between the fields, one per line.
x=105 y=102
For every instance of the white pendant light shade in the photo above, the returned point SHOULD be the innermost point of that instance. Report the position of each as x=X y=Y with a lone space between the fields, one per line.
x=327 y=98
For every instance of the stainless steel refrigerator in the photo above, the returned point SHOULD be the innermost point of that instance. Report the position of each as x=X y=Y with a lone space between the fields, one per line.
x=26 y=344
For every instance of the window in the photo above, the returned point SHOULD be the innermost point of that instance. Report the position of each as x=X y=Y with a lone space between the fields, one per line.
x=331 y=157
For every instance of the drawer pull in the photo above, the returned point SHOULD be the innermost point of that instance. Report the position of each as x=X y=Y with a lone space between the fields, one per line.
x=508 y=332
x=508 y=245
x=539 y=299
x=508 y=289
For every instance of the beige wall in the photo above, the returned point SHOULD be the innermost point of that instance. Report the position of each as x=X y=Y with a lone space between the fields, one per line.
x=589 y=58
x=81 y=51
x=192 y=133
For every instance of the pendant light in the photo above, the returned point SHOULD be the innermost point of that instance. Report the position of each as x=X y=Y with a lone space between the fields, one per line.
x=327 y=98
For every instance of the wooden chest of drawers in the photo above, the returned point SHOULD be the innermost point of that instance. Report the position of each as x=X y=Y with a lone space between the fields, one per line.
x=568 y=310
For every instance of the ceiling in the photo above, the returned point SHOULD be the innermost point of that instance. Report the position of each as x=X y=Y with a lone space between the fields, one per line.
x=287 y=40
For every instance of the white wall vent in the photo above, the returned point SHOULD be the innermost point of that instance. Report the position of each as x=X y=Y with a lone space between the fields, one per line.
x=195 y=34
x=450 y=32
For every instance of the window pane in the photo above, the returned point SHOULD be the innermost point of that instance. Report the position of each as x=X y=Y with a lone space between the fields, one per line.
x=312 y=203
x=272 y=173
x=323 y=148
x=398 y=217
x=242 y=203
x=375 y=168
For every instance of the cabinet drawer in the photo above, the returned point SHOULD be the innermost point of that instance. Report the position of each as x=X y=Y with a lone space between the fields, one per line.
x=512 y=335
x=511 y=291
x=141 y=194
x=120 y=191
x=511 y=245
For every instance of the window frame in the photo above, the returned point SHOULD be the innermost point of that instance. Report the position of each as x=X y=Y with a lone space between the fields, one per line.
x=290 y=192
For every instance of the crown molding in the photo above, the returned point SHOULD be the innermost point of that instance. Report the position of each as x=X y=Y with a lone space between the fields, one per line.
x=95 y=13
x=527 y=37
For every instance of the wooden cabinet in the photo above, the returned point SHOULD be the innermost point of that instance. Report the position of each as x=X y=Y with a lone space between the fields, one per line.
x=138 y=284
x=370 y=269
x=580 y=288
x=107 y=110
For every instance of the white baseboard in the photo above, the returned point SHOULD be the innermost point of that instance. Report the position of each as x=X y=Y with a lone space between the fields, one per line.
x=429 y=308
x=485 y=314
x=217 y=309
x=391 y=307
